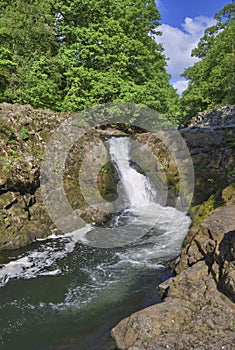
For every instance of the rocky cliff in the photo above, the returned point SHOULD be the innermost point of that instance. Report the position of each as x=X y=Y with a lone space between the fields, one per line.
x=210 y=138
x=24 y=133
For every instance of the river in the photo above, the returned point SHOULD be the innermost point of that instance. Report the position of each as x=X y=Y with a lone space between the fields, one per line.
x=67 y=292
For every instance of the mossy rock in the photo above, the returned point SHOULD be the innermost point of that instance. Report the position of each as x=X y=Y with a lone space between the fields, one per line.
x=107 y=182
x=228 y=194
x=200 y=212
x=220 y=198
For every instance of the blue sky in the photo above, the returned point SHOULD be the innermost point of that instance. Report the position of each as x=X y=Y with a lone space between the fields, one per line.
x=183 y=24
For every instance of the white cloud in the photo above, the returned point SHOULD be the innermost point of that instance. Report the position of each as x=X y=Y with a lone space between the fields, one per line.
x=178 y=44
x=180 y=85
x=158 y=2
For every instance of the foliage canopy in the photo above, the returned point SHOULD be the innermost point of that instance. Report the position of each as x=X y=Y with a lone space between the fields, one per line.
x=70 y=54
x=212 y=78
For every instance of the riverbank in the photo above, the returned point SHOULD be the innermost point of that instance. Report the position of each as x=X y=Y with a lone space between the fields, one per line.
x=198 y=307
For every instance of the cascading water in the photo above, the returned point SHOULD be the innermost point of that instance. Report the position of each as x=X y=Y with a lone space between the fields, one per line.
x=61 y=291
x=137 y=187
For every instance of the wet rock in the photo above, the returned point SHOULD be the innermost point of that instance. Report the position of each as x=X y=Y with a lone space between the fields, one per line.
x=164 y=287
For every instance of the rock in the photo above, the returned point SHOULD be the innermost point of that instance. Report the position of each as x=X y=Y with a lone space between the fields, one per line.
x=24 y=133
x=226 y=261
x=193 y=316
x=228 y=193
x=163 y=287
x=112 y=132
x=213 y=156
x=94 y=216
x=217 y=117
x=211 y=238
x=212 y=241
x=198 y=310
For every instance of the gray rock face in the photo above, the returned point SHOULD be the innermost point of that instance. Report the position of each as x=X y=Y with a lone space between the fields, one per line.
x=213 y=155
x=210 y=137
x=219 y=117
x=211 y=142
x=193 y=316
x=198 y=312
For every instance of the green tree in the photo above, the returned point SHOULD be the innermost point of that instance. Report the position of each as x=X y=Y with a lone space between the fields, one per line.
x=111 y=54
x=70 y=54
x=27 y=37
x=7 y=66
x=212 y=78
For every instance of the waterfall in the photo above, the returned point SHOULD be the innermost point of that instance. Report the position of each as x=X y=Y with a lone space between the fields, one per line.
x=137 y=188
x=146 y=231
x=92 y=280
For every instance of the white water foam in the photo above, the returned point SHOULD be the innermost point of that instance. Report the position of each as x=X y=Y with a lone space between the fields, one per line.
x=36 y=262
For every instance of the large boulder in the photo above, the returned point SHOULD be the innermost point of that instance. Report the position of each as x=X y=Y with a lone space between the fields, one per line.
x=195 y=315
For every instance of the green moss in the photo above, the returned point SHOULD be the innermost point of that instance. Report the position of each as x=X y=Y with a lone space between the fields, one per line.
x=105 y=168
x=107 y=182
x=24 y=133
x=220 y=198
x=231 y=172
x=11 y=142
x=5 y=165
x=6 y=131
x=202 y=211
x=228 y=194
